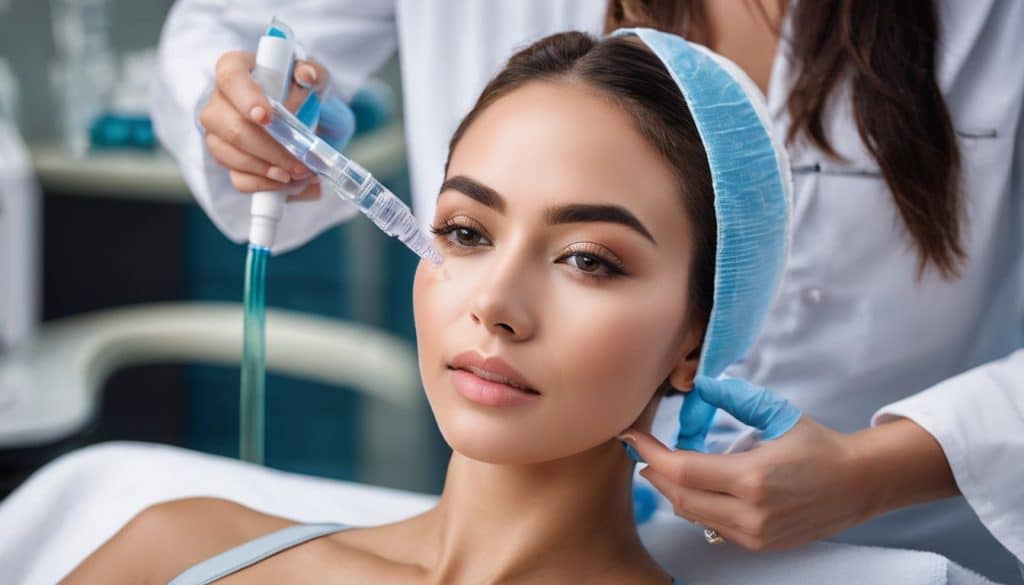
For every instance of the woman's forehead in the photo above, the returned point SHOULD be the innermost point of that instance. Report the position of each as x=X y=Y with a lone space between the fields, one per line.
x=556 y=142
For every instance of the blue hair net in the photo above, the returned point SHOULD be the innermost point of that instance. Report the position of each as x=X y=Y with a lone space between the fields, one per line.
x=752 y=184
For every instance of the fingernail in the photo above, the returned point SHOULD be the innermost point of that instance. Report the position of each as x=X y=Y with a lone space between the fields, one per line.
x=301 y=173
x=257 y=114
x=628 y=438
x=310 y=73
x=278 y=175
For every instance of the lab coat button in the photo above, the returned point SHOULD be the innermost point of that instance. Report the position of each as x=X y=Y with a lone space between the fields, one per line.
x=814 y=295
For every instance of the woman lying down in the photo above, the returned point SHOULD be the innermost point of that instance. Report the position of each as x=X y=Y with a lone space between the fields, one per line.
x=578 y=221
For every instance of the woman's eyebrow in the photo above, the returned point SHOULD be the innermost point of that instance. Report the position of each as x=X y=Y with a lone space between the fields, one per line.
x=574 y=213
x=475 y=190
x=584 y=212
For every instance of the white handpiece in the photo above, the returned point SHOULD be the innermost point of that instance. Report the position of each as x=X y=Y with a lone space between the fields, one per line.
x=275 y=58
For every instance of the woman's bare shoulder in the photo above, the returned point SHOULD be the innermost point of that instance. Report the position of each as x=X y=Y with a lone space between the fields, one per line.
x=165 y=539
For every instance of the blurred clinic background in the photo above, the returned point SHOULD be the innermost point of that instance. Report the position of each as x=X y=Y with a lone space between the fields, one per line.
x=96 y=220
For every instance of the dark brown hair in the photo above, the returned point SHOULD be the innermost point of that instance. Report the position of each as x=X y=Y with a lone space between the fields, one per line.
x=626 y=72
x=887 y=50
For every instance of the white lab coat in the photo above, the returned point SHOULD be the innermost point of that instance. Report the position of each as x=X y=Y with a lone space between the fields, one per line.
x=853 y=339
x=20 y=236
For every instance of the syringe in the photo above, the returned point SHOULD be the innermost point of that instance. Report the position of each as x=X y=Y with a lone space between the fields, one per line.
x=351 y=182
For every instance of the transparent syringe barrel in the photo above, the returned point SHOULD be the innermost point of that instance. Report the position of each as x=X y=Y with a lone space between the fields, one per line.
x=383 y=208
x=352 y=182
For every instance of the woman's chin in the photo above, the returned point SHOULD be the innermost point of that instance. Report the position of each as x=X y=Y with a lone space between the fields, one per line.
x=493 y=446
x=497 y=443
x=492 y=456
x=506 y=442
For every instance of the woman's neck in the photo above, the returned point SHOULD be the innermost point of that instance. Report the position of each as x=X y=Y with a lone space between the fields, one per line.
x=570 y=517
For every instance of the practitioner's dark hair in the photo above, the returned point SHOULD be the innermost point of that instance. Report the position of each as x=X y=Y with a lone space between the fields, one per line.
x=887 y=51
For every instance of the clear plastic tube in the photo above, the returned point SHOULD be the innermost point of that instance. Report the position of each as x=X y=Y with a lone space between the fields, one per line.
x=351 y=182
x=251 y=400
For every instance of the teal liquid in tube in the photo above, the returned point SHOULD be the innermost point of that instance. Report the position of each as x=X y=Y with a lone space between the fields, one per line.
x=253 y=357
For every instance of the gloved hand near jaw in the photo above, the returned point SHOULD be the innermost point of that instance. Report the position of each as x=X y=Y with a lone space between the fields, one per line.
x=232 y=119
x=800 y=485
x=753 y=405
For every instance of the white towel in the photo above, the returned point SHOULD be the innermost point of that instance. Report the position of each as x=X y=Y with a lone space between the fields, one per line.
x=681 y=550
x=71 y=506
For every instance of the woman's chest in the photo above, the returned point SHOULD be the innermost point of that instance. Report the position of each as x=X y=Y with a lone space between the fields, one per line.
x=321 y=562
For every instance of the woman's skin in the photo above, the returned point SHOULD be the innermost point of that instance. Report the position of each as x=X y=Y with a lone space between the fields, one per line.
x=555 y=218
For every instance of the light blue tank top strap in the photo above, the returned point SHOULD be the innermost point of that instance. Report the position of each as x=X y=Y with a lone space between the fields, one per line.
x=252 y=552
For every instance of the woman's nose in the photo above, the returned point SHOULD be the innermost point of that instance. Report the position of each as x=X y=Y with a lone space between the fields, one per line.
x=502 y=305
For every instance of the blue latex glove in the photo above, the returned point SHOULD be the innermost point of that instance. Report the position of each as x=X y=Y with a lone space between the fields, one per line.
x=332 y=120
x=337 y=123
x=645 y=503
x=752 y=405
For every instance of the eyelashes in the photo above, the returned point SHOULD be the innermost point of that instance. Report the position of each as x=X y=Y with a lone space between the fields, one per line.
x=460 y=231
x=593 y=260
x=589 y=260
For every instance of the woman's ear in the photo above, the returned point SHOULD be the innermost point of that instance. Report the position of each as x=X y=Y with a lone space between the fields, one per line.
x=682 y=375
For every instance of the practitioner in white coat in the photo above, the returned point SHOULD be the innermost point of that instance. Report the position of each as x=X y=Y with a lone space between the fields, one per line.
x=910 y=361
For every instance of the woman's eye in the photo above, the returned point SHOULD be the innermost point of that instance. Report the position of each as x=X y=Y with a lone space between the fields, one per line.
x=465 y=236
x=586 y=262
x=460 y=235
x=592 y=265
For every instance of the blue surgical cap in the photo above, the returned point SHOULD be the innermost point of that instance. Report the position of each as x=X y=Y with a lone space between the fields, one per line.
x=753 y=191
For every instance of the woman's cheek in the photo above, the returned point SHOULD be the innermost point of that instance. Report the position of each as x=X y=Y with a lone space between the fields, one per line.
x=616 y=352
x=428 y=315
x=436 y=290
x=440 y=295
x=421 y=299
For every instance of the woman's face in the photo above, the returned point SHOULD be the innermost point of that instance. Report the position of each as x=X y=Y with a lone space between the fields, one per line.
x=567 y=260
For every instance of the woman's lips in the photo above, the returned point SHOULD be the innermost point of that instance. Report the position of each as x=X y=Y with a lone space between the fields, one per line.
x=490 y=381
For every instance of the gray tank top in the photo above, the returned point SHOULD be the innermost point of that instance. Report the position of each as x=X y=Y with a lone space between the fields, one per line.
x=254 y=551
